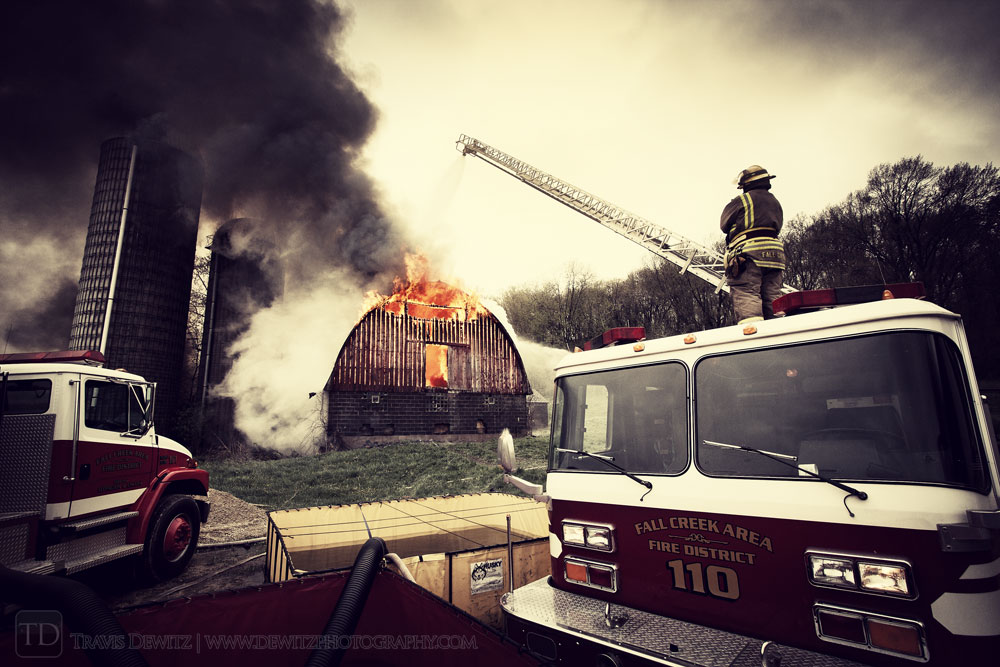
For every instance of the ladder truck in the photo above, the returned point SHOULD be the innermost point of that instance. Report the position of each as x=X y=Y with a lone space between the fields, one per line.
x=84 y=477
x=817 y=490
x=687 y=255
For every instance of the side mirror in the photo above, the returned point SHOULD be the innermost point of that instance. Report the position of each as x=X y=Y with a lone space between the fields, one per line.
x=505 y=455
x=505 y=452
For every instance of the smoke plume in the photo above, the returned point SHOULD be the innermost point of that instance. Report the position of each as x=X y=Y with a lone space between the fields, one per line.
x=253 y=88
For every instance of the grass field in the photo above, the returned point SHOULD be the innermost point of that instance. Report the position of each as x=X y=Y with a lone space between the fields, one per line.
x=412 y=470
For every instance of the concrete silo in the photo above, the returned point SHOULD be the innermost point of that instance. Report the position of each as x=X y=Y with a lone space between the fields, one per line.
x=135 y=283
x=245 y=275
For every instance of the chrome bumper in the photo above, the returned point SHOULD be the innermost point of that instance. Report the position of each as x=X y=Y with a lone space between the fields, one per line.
x=657 y=639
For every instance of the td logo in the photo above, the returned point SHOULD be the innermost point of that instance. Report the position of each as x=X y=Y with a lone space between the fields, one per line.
x=38 y=633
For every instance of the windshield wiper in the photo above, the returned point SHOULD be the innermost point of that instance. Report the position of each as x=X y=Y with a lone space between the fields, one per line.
x=781 y=458
x=609 y=461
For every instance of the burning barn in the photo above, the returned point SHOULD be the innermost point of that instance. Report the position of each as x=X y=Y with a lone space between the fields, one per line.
x=430 y=359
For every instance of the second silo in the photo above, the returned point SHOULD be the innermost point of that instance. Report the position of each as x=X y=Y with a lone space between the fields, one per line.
x=245 y=275
x=135 y=282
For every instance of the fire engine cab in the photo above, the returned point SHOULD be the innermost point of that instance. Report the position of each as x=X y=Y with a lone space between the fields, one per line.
x=84 y=478
x=819 y=489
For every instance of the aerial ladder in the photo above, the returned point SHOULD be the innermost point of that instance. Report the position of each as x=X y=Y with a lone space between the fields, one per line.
x=690 y=257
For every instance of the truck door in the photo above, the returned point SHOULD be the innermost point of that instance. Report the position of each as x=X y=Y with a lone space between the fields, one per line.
x=116 y=453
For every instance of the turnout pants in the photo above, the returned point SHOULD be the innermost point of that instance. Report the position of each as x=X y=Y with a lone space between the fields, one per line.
x=754 y=290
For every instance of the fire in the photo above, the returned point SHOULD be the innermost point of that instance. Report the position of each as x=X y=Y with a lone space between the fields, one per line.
x=418 y=296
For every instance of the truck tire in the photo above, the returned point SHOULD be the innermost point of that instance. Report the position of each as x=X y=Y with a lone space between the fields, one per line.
x=172 y=538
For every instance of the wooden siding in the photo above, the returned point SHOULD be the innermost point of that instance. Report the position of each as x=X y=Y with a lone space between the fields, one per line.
x=387 y=352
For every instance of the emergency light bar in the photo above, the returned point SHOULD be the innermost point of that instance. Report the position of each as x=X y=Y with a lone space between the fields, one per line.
x=65 y=357
x=615 y=336
x=795 y=302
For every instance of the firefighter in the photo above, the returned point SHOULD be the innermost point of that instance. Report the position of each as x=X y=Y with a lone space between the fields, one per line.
x=755 y=256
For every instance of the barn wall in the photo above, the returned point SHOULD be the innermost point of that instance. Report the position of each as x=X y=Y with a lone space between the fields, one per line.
x=353 y=413
x=388 y=352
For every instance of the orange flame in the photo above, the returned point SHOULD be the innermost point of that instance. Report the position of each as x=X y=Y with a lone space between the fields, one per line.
x=419 y=297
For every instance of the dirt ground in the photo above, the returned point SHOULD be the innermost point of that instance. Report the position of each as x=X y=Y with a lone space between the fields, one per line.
x=213 y=568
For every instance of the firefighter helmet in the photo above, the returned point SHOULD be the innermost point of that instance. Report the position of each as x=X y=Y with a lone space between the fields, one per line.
x=752 y=174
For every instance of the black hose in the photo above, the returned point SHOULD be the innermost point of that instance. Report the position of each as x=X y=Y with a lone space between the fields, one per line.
x=344 y=620
x=83 y=612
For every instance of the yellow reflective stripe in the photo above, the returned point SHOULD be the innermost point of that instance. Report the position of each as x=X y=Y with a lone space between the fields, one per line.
x=772 y=244
x=747 y=213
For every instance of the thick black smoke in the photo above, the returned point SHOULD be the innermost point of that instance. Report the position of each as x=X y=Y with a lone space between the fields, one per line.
x=252 y=87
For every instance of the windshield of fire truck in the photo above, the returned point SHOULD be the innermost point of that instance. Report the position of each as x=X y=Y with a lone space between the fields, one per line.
x=887 y=407
x=637 y=417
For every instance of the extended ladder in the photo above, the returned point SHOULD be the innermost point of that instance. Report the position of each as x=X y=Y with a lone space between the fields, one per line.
x=688 y=256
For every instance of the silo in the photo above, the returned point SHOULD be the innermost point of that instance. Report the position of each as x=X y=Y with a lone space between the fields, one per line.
x=135 y=283
x=245 y=275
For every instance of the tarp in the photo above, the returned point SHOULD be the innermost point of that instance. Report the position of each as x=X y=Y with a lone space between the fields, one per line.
x=280 y=624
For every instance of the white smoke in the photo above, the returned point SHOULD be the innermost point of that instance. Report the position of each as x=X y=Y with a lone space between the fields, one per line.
x=287 y=354
x=539 y=360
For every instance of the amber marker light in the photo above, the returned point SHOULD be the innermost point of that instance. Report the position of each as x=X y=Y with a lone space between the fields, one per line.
x=689 y=339
x=592 y=574
x=638 y=347
x=749 y=330
x=576 y=572
x=895 y=637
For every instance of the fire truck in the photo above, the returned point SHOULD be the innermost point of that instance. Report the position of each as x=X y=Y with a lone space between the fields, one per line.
x=816 y=489
x=811 y=490
x=84 y=477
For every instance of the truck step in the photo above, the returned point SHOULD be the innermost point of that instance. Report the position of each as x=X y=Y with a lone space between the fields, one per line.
x=94 y=522
x=35 y=566
x=102 y=557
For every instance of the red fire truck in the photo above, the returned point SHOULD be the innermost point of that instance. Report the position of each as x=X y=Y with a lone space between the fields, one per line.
x=811 y=490
x=84 y=477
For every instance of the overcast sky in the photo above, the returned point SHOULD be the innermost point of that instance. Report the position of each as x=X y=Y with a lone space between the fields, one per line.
x=335 y=125
x=654 y=106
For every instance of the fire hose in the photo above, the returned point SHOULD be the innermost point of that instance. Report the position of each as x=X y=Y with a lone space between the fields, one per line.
x=346 y=614
x=83 y=612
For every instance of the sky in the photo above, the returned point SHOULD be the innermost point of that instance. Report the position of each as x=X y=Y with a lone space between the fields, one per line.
x=335 y=123
x=654 y=106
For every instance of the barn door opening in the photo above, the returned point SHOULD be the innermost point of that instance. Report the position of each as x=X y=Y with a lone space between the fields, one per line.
x=436 y=367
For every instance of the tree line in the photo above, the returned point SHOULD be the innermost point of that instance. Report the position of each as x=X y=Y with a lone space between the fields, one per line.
x=911 y=221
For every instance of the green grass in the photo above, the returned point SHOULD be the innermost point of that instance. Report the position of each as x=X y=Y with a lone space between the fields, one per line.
x=411 y=470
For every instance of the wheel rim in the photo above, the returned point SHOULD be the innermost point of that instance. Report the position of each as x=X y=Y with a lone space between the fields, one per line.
x=177 y=538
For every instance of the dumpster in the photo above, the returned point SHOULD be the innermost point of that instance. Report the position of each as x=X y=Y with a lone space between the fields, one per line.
x=456 y=547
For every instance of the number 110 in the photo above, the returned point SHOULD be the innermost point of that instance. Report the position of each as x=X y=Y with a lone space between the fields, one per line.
x=721 y=582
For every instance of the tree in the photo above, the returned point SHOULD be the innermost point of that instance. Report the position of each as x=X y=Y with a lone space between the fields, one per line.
x=656 y=297
x=912 y=221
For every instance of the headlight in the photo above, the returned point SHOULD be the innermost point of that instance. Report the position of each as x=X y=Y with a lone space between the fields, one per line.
x=588 y=536
x=884 y=578
x=599 y=538
x=832 y=571
x=861 y=574
x=573 y=534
